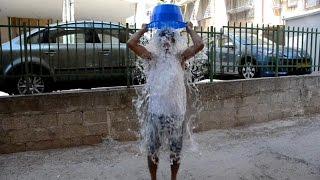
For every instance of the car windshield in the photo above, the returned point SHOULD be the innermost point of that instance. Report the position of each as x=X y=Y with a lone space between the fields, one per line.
x=253 y=40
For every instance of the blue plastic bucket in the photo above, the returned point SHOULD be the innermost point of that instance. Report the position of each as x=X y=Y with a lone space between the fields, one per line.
x=167 y=16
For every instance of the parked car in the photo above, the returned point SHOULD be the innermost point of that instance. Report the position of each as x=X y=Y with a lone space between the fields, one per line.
x=78 y=53
x=252 y=56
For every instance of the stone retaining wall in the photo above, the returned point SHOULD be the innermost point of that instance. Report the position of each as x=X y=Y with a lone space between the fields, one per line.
x=82 y=118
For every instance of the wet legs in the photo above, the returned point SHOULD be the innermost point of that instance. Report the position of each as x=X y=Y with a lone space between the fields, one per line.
x=174 y=168
x=153 y=166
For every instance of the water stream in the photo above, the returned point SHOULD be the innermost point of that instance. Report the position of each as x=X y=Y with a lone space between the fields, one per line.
x=169 y=92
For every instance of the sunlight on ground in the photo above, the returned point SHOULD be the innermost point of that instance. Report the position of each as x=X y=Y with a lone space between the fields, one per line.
x=3 y=94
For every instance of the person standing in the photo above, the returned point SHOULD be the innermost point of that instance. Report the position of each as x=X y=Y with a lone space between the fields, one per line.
x=167 y=92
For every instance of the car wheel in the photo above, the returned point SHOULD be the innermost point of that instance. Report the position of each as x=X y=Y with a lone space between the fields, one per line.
x=248 y=70
x=31 y=85
x=198 y=70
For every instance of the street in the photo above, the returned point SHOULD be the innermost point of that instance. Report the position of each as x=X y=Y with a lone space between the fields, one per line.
x=282 y=149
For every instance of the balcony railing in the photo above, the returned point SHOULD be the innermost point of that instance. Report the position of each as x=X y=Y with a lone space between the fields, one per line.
x=239 y=6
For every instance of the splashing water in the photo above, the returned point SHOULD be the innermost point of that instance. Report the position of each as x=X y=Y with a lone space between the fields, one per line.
x=161 y=104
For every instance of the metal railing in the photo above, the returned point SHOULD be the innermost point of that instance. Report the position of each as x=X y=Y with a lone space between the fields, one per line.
x=97 y=51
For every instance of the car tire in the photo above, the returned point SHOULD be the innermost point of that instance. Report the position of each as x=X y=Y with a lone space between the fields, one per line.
x=248 y=69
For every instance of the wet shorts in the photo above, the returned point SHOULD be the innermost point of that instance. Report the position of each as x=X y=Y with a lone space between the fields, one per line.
x=165 y=128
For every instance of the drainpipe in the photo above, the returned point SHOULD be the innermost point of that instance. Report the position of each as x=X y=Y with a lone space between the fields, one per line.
x=262 y=17
x=135 y=13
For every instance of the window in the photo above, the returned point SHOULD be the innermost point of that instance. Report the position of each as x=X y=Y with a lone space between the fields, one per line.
x=61 y=36
x=189 y=10
x=205 y=9
x=80 y=37
x=36 y=38
x=233 y=4
x=106 y=38
x=42 y=37
x=311 y=3
x=113 y=35
x=70 y=37
x=292 y=3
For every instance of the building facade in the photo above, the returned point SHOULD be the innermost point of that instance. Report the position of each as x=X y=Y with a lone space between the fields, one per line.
x=204 y=13
x=45 y=12
x=216 y=13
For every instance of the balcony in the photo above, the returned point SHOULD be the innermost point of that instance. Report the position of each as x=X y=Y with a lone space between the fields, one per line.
x=183 y=2
x=239 y=9
x=277 y=4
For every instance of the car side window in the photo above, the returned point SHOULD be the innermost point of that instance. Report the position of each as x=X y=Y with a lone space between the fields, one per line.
x=41 y=37
x=35 y=38
x=107 y=38
x=80 y=36
x=70 y=37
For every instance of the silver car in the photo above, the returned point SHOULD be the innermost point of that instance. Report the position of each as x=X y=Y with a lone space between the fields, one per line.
x=74 y=54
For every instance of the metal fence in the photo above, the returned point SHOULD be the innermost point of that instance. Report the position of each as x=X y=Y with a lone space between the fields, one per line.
x=252 y=50
x=88 y=51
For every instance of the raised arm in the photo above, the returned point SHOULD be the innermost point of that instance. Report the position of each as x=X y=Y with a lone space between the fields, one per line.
x=133 y=43
x=195 y=48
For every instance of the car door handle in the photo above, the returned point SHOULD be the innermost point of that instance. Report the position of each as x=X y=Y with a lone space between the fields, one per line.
x=50 y=53
x=105 y=52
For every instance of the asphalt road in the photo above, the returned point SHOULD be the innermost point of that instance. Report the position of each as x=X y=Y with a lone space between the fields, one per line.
x=284 y=149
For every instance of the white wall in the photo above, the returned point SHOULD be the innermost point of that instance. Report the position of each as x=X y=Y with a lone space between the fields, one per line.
x=104 y=10
x=107 y=10
x=264 y=14
x=220 y=13
x=39 y=9
x=310 y=21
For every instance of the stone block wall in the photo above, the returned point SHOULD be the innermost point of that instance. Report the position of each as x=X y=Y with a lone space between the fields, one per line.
x=68 y=119
x=236 y=103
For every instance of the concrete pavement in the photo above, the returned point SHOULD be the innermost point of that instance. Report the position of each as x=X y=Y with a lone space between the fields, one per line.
x=282 y=149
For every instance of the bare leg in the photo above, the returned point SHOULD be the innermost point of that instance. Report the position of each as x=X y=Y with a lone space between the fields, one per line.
x=153 y=167
x=174 y=168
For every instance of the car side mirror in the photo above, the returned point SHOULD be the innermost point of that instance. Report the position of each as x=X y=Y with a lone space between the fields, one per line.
x=228 y=45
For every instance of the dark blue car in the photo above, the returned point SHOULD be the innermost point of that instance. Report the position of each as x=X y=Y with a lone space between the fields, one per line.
x=252 y=56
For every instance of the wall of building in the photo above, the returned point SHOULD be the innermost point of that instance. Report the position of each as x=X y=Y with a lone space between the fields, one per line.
x=267 y=12
x=44 y=9
x=309 y=42
x=309 y=20
x=70 y=119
